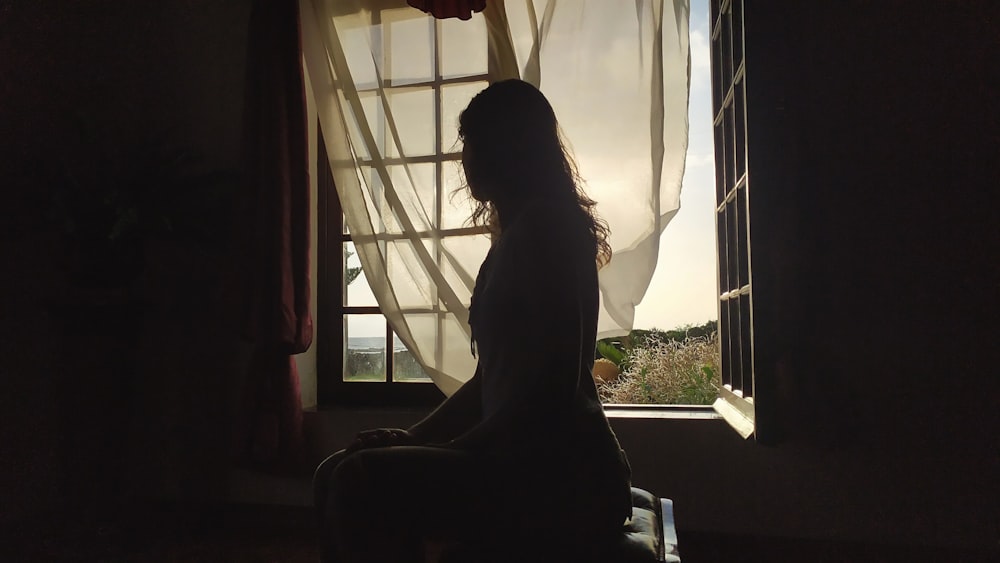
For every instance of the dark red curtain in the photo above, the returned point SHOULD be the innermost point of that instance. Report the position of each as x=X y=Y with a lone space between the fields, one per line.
x=442 y=9
x=274 y=235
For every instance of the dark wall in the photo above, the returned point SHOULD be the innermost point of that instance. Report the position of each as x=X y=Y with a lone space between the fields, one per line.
x=130 y=70
x=873 y=145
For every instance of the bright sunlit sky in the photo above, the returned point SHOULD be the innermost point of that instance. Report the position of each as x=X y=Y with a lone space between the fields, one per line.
x=684 y=283
x=683 y=287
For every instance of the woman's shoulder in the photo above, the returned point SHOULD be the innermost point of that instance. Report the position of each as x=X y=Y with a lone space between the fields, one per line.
x=553 y=216
x=552 y=226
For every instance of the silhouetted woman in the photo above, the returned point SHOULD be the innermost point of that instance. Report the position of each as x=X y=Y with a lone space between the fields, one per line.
x=523 y=447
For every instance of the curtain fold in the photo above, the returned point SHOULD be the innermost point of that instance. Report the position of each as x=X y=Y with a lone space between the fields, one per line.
x=617 y=75
x=274 y=230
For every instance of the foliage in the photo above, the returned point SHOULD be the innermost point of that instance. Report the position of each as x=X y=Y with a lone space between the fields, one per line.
x=350 y=274
x=641 y=337
x=610 y=352
x=369 y=365
x=644 y=338
x=666 y=370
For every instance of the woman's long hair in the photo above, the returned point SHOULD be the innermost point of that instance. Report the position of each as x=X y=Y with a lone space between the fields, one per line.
x=512 y=131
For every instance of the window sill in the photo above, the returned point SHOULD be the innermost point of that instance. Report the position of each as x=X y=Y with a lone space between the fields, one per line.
x=367 y=409
x=677 y=412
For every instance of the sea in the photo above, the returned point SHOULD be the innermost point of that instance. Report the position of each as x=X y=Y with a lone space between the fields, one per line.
x=372 y=343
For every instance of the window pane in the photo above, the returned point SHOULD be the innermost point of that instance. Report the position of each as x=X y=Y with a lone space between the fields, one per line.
x=732 y=246
x=412 y=288
x=746 y=346
x=364 y=339
x=355 y=34
x=725 y=341
x=372 y=193
x=735 y=342
x=456 y=203
x=409 y=46
x=723 y=249
x=729 y=136
x=357 y=292
x=463 y=47
x=415 y=184
x=727 y=52
x=458 y=254
x=371 y=120
x=404 y=366
x=739 y=121
x=412 y=111
x=737 y=22
x=454 y=98
x=719 y=84
x=742 y=237
x=720 y=163
x=454 y=347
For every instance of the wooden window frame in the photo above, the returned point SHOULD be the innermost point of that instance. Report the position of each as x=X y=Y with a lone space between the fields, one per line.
x=332 y=389
x=733 y=226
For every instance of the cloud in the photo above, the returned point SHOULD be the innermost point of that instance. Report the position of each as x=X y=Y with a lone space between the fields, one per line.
x=695 y=160
x=699 y=51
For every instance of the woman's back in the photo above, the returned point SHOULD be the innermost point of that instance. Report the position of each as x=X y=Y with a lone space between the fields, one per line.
x=534 y=319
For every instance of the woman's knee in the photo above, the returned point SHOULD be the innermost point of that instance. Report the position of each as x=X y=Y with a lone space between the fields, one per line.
x=323 y=474
x=326 y=467
x=346 y=477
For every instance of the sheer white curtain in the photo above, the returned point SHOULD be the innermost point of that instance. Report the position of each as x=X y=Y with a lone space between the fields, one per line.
x=389 y=82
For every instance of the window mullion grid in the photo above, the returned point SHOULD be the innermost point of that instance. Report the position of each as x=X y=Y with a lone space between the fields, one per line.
x=731 y=192
x=741 y=201
x=381 y=41
x=439 y=318
x=330 y=274
x=733 y=303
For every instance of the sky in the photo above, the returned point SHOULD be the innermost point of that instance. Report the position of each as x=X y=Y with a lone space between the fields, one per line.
x=683 y=288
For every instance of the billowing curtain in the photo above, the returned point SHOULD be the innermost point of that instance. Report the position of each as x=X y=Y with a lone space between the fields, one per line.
x=389 y=83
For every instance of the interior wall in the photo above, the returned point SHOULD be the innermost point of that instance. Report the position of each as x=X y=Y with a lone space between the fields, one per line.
x=870 y=142
x=131 y=70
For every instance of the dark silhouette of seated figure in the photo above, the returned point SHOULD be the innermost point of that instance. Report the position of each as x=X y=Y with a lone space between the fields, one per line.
x=523 y=448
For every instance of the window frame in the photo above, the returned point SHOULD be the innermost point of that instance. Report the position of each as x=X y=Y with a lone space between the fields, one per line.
x=736 y=402
x=332 y=389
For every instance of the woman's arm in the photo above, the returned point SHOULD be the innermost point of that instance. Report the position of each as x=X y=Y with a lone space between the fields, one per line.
x=543 y=388
x=456 y=415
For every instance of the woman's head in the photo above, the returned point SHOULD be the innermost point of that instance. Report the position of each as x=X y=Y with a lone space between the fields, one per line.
x=513 y=153
x=512 y=146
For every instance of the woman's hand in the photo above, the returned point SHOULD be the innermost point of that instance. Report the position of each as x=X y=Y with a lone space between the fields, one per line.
x=381 y=438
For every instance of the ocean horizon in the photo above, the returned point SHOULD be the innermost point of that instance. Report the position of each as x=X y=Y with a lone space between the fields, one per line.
x=372 y=343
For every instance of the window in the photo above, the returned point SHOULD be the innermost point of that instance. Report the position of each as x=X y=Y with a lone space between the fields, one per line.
x=736 y=398
x=430 y=69
x=671 y=356
x=403 y=96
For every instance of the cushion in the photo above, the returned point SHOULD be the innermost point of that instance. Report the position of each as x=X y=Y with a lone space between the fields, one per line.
x=643 y=541
x=643 y=538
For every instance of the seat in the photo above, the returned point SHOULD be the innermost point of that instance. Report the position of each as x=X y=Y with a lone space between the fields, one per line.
x=648 y=536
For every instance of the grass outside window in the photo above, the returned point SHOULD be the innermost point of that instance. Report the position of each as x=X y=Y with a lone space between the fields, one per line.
x=654 y=367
